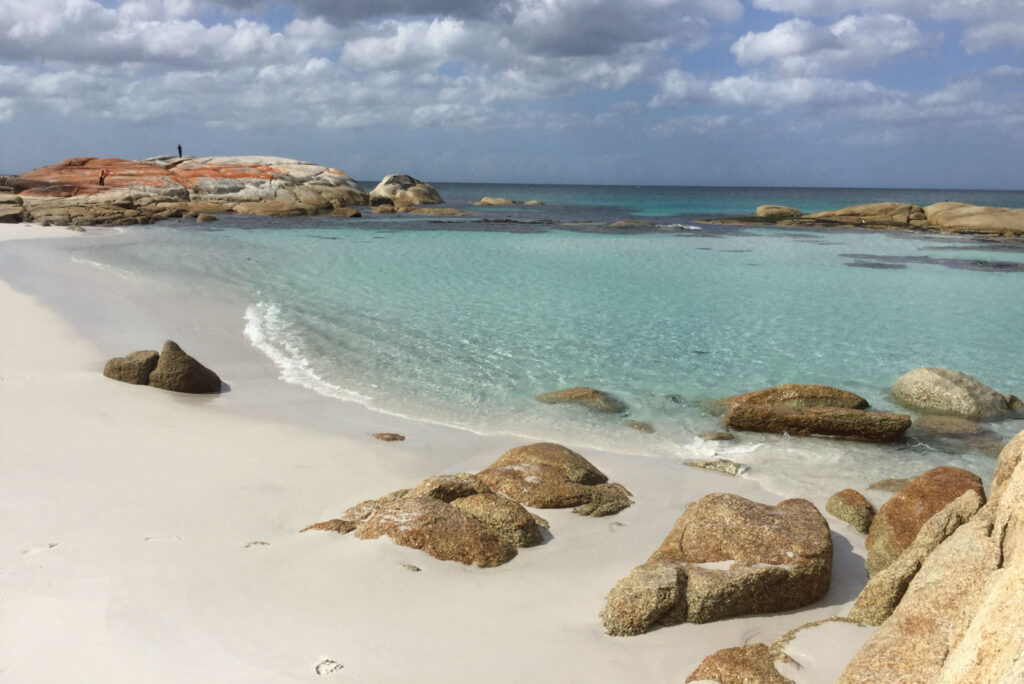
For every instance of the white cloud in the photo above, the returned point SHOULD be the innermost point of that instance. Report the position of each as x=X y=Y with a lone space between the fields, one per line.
x=800 y=47
x=988 y=36
x=770 y=94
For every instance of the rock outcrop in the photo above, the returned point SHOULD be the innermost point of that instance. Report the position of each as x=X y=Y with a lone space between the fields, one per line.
x=941 y=391
x=178 y=372
x=726 y=556
x=11 y=208
x=957 y=217
x=593 y=399
x=504 y=202
x=900 y=519
x=398 y=189
x=943 y=217
x=143 y=191
x=546 y=475
x=451 y=517
x=884 y=591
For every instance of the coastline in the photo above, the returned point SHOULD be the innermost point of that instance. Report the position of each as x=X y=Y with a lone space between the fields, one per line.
x=131 y=512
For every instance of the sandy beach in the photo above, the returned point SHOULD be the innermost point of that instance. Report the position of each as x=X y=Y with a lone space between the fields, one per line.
x=153 y=537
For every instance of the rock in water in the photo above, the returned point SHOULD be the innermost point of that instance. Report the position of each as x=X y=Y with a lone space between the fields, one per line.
x=732 y=557
x=900 y=519
x=179 y=372
x=774 y=211
x=842 y=423
x=793 y=396
x=135 y=368
x=400 y=189
x=593 y=399
x=942 y=391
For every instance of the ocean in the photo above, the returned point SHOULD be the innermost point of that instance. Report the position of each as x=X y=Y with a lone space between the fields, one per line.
x=463 y=321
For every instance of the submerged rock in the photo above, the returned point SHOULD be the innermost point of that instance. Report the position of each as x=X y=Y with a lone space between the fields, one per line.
x=729 y=556
x=793 y=396
x=593 y=399
x=178 y=372
x=942 y=391
x=135 y=368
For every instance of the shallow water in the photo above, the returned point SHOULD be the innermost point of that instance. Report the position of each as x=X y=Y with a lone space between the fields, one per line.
x=465 y=321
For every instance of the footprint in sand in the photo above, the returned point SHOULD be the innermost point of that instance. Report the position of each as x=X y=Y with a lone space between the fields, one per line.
x=327 y=666
x=163 y=539
x=39 y=549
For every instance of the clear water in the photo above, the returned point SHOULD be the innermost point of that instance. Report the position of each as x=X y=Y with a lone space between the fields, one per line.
x=465 y=321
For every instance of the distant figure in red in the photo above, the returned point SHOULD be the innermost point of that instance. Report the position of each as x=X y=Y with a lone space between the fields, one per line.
x=103 y=176
x=179 y=151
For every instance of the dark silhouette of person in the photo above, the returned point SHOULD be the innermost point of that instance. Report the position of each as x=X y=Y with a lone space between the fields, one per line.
x=179 y=151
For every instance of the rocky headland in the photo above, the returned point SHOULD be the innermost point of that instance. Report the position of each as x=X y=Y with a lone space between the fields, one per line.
x=72 y=192
x=942 y=217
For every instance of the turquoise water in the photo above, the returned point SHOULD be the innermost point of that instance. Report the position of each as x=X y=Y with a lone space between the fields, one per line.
x=465 y=321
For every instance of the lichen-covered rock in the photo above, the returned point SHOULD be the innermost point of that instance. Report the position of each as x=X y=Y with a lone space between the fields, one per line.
x=178 y=372
x=718 y=465
x=739 y=557
x=850 y=506
x=133 y=368
x=442 y=531
x=441 y=528
x=546 y=475
x=842 y=423
x=900 y=519
x=942 y=391
x=401 y=189
x=886 y=588
x=593 y=399
x=145 y=190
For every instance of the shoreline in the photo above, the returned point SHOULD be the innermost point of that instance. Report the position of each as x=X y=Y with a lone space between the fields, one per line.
x=133 y=513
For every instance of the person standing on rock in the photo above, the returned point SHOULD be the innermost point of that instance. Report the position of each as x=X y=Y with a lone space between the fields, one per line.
x=179 y=151
x=103 y=176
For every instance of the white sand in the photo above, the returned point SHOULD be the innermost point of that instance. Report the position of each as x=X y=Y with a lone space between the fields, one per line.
x=152 y=537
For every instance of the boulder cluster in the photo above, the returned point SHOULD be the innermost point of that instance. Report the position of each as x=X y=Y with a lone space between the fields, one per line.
x=170 y=369
x=942 y=217
x=479 y=519
x=159 y=188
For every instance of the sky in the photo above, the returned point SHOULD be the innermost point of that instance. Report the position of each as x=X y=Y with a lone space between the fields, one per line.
x=872 y=93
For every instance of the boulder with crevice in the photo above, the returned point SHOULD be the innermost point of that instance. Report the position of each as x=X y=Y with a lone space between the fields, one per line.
x=400 y=189
x=731 y=557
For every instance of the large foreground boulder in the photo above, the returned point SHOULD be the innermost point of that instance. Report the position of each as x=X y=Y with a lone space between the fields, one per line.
x=593 y=399
x=134 y=368
x=178 y=372
x=886 y=588
x=399 y=189
x=726 y=556
x=546 y=475
x=941 y=391
x=451 y=517
x=900 y=519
